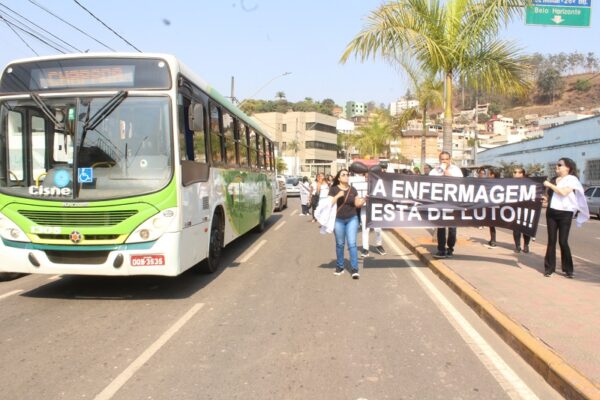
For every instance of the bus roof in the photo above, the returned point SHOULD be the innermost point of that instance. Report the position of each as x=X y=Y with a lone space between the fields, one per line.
x=173 y=62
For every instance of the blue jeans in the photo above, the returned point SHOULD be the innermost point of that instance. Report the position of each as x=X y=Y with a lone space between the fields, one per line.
x=346 y=229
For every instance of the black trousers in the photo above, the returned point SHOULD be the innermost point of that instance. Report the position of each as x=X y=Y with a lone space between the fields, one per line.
x=517 y=239
x=493 y=234
x=559 y=225
x=441 y=239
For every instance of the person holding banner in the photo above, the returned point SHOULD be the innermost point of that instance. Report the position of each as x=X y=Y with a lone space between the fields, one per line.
x=566 y=197
x=519 y=172
x=446 y=237
x=359 y=182
x=492 y=243
x=346 y=221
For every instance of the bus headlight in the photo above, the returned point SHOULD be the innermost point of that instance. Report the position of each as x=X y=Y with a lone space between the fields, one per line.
x=10 y=231
x=153 y=227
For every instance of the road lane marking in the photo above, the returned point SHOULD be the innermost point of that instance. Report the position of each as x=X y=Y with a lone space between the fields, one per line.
x=282 y=223
x=5 y=295
x=294 y=213
x=53 y=278
x=539 y=224
x=252 y=251
x=513 y=385
x=584 y=259
x=124 y=376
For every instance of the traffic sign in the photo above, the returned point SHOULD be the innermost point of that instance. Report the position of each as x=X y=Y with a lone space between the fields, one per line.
x=563 y=3
x=558 y=16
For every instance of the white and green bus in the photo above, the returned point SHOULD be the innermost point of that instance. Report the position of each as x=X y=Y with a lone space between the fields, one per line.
x=124 y=164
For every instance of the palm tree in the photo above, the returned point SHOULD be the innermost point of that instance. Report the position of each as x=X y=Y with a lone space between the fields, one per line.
x=430 y=93
x=294 y=147
x=452 y=38
x=373 y=138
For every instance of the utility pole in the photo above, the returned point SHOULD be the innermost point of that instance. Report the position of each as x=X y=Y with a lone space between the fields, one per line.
x=475 y=131
x=232 y=92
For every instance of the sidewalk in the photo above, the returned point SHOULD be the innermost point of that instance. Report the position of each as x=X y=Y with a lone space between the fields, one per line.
x=553 y=323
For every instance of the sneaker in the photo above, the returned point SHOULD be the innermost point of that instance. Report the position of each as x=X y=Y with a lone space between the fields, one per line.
x=364 y=253
x=492 y=243
x=526 y=249
x=449 y=253
x=570 y=276
x=547 y=274
x=440 y=254
x=380 y=250
x=338 y=271
x=518 y=249
x=355 y=275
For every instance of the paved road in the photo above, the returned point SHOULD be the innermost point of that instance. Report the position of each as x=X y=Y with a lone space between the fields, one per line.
x=274 y=323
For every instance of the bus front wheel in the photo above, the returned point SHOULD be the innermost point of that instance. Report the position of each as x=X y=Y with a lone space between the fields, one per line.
x=215 y=246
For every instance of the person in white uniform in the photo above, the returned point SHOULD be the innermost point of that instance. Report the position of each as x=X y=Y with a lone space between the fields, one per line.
x=359 y=181
x=446 y=237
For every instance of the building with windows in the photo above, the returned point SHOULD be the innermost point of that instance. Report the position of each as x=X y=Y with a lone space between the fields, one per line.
x=578 y=140
x=307 y=141
x=402 y=104
x=407 y=148
x=355 y=109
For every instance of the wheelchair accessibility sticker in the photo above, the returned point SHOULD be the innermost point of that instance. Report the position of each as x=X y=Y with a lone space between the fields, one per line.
x=85 y=175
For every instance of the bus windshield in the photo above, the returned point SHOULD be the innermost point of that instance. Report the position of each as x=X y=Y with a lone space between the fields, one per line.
x=85 y=148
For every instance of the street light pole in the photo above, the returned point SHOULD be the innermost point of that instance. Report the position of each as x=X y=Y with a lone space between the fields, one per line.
x=261 y=88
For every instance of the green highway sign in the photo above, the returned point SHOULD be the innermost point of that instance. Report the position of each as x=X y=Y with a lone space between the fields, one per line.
x=558 y=16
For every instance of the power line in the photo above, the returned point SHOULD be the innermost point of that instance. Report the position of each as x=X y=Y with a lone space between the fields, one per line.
x=71 y=25
x=32 y=34
x=108 y=27
x=31 y=22
x=16 y=33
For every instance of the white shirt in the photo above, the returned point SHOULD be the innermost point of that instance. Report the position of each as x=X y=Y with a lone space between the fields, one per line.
x=359 y=182
x=453 y=169
x=574 y=201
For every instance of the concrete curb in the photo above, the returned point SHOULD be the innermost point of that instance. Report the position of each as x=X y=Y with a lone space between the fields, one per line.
x=564 y=378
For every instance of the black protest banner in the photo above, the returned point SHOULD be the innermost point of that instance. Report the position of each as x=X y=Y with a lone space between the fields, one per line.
x=398 y=200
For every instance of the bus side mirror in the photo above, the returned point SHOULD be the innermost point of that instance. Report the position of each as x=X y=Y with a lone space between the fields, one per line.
x=196 y=117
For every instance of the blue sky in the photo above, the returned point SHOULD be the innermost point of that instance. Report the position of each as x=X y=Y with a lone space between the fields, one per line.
x=258 y=40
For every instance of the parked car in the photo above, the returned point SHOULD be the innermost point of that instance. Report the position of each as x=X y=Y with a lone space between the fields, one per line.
x=291 y=185
x=280 y=195
x=592 y=194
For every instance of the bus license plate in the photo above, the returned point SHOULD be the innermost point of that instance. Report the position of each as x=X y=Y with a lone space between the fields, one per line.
x=147 y=260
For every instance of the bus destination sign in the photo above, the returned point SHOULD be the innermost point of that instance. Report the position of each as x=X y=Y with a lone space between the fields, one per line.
x=94 y=76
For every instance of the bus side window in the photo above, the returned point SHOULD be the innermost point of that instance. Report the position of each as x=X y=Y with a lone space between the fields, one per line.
x=216 y=143
x=186 y=147
x=228 y=136
x=243 y=142
x=253 y=148
x=199 y=134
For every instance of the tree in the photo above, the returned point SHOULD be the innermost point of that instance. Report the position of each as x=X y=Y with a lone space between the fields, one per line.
x=430 y=93
x=281 y=165
x=550 y=84
x=453 y=38
x=280 y=95
x=373 y=138
x=326 y=106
